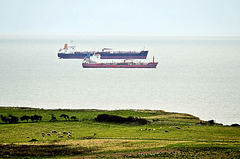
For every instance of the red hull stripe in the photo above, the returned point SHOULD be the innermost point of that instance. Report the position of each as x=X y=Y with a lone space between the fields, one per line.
x=150 y=65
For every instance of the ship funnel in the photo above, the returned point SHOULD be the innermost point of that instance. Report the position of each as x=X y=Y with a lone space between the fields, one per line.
x=88 y=56
x=65 y=46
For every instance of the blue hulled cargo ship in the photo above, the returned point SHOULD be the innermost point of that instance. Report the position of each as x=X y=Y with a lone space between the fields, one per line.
x=69 y=52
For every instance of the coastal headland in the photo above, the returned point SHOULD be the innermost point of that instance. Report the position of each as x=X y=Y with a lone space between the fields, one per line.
x=91 y=133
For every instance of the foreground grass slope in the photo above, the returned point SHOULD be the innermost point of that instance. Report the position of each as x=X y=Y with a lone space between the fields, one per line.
x=166 y=135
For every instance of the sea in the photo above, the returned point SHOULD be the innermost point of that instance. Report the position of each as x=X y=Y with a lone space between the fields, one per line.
x=195 y=75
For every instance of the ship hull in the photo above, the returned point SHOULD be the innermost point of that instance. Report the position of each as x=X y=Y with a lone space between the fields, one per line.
x=101 y=65
x=105 y=55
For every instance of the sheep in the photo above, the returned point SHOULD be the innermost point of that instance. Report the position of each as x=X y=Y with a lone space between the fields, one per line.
x=60 y=136
x=178 y=128
x=95 y=134
x=140 y=129
x=69 y=132
x=64 y=132
x=154 y=129
x=43 y=134
x=54 y=131
x=48 y=134
x=166 y=131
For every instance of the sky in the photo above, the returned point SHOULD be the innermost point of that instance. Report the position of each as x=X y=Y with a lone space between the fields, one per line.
x=120 y=17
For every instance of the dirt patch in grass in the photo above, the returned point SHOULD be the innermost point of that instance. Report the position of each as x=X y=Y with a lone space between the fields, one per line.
x=14 y=150
x=106 y=145
x=188 y=152
x=173 y=116
x=183 y=152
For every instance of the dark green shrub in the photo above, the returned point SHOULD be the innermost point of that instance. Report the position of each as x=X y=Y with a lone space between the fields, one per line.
x=119 y=119
x=66 y=117
x=73 y=118
x=25 y=117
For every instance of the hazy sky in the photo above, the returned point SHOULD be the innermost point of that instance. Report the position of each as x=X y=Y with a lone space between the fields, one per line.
x=120 y=17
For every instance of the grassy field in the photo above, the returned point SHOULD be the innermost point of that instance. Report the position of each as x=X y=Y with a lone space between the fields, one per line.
x=167 y=135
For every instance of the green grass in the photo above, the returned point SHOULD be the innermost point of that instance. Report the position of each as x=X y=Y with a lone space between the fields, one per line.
x=81 y=114
x=129 y=140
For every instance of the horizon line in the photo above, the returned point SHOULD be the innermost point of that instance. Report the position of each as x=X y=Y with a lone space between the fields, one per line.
x=119 y=36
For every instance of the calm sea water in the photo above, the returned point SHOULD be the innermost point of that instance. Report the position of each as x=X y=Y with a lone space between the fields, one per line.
x=196 y=76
